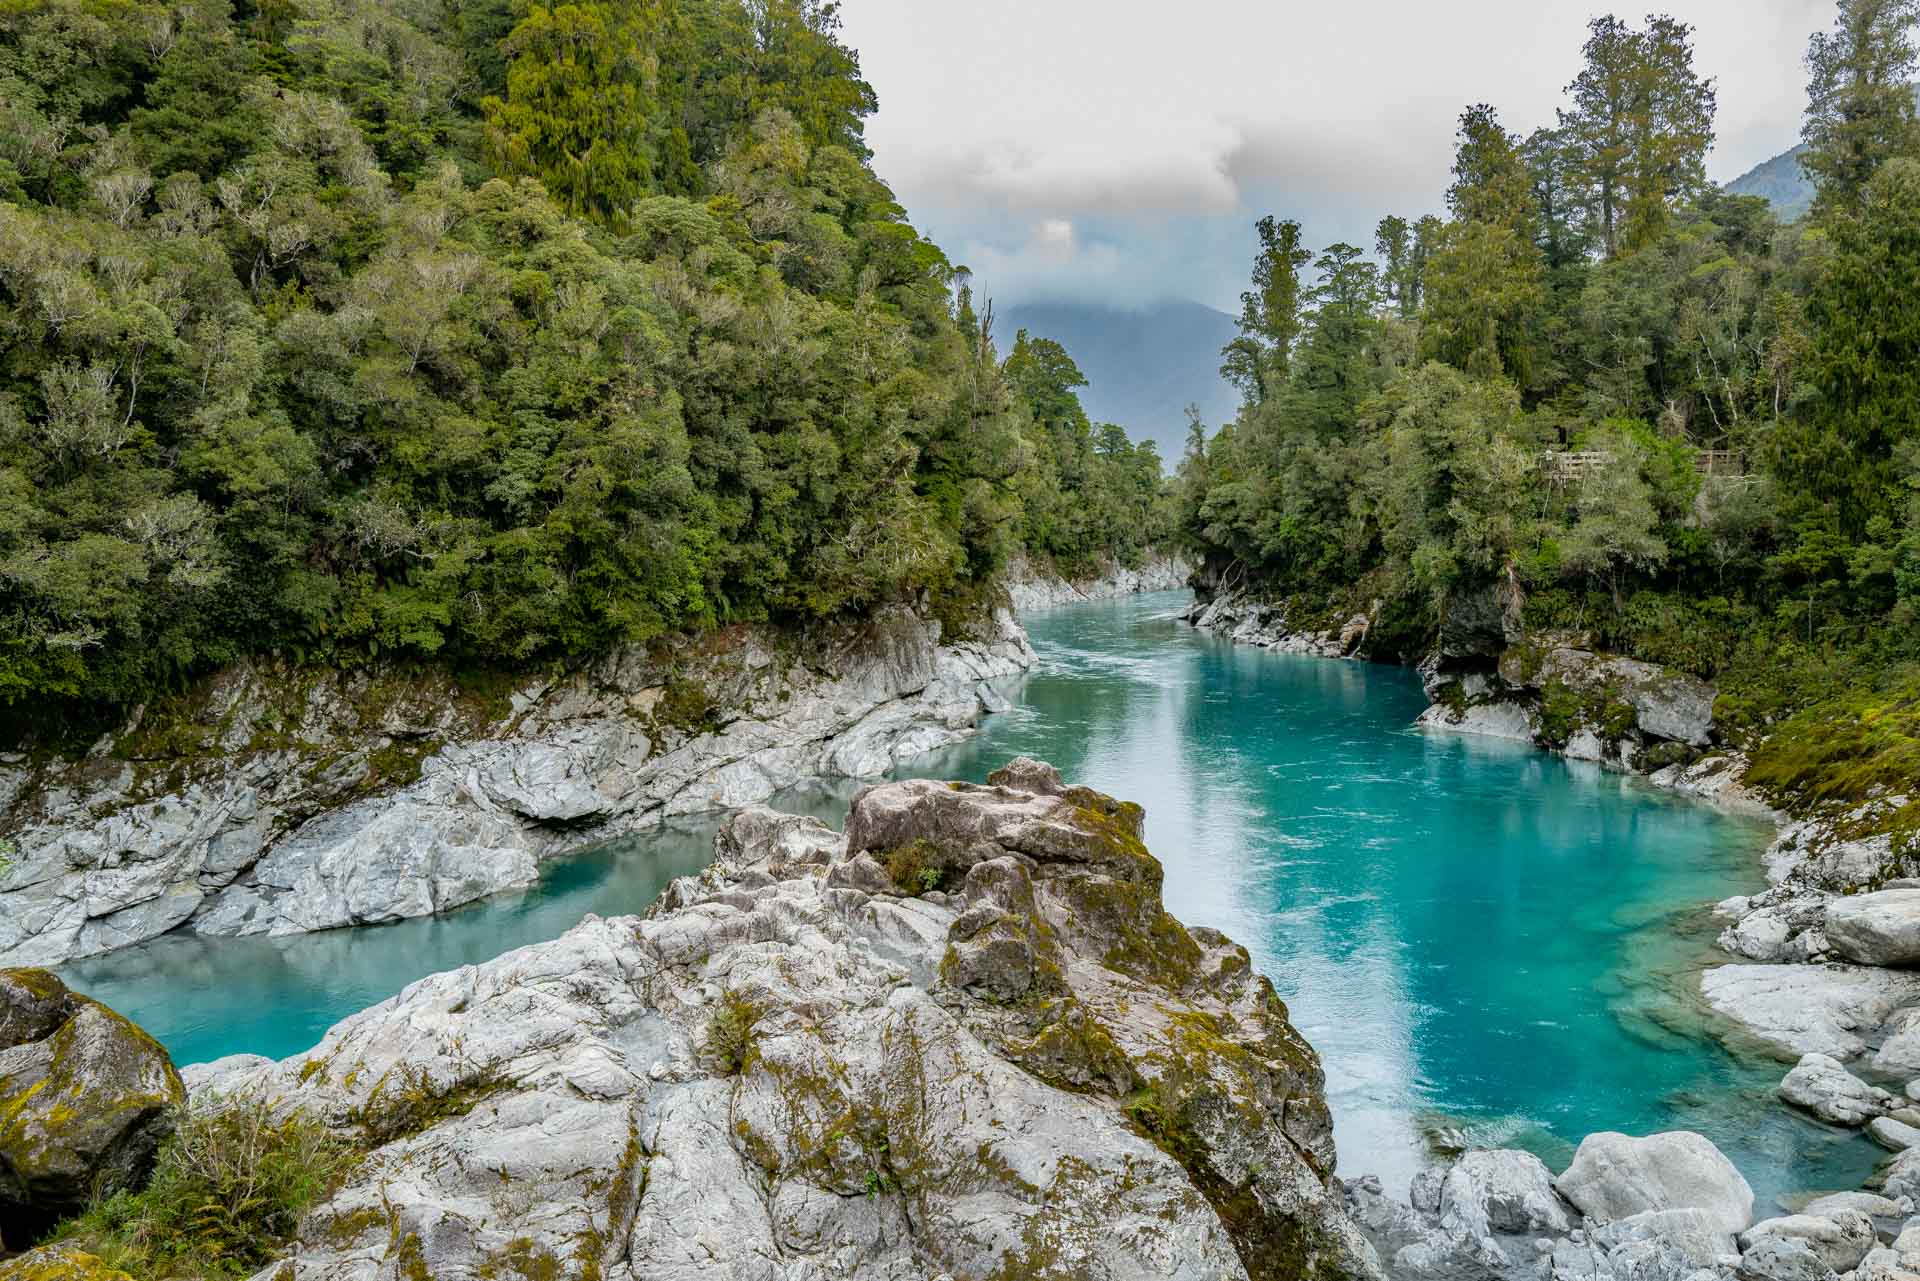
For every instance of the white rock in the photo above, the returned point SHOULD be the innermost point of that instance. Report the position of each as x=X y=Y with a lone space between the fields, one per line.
x=1810 y=1009
x=641 y=1082
x=1508 y=720
x=1894 y=1135
x=102 y=864
x=1614 y=1176
x=1867 y=1203
x=1839 y=1241
x=1823 y=1086
x=1500 y=1191
x=1876 y=929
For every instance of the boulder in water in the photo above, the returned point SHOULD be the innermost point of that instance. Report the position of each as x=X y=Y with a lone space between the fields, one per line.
x=85 y=1100
x=1821 y=1085
x=1614 y=1176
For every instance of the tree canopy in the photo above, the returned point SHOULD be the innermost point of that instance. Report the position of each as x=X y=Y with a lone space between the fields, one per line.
x=487 y=334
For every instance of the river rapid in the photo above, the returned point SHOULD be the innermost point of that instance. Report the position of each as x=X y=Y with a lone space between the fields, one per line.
x=1486 y=944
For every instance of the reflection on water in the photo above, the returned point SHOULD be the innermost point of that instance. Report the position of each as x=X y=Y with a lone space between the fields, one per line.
x=1481 y=940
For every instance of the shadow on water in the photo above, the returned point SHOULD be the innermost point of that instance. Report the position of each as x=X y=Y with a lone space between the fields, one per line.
x=1486 y=944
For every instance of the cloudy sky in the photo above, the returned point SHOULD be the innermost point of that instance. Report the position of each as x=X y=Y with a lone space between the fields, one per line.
x=1115 y=151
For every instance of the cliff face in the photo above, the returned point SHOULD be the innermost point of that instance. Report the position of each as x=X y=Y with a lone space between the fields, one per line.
x=1030 y=588
x=964 y=1040
x=275 y=801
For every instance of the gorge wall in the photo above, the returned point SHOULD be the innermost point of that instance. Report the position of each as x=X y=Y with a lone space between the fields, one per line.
x=274 y=800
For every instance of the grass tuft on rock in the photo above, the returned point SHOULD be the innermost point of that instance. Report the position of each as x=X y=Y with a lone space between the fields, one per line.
x=226 y=1197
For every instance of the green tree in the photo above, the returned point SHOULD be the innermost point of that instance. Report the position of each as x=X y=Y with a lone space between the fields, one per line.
x=1860 y=102
x=1639 y=128
x=1393 y=242
x=1484 y=279
x=1865 y=357
x=583 y=101
x=1270 y=313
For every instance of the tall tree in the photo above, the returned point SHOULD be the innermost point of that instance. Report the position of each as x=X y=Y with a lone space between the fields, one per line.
x=583 y=101
x=1490 y=179
x=1270 y=321
x=1558 y=232
x=1866 y=355
x=1640 y=126
x=1860 y=104
x=1393 y=241
x=1483 y=280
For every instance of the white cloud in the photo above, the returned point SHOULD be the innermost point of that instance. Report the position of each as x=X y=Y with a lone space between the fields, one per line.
x=1171 y=128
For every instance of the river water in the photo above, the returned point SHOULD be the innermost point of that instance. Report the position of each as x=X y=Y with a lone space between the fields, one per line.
x=1484 y=942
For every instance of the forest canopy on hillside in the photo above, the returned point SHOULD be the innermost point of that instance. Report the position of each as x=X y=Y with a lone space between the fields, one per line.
x=486 y=332
x=1641 y=410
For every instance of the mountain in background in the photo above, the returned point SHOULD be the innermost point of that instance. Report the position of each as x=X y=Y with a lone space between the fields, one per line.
x=1782 y=181
x=1144 y=367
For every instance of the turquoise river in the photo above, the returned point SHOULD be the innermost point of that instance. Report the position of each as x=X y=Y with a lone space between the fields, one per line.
x=1486 y=943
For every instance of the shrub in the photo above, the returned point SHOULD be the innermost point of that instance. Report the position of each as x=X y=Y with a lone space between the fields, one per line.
x=411 y=1101
x=917 y=867
x=730 y=1034
x=227 y=1194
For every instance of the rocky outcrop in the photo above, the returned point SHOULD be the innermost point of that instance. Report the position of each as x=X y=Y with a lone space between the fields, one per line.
x=1615 y=1176
x=1821 y=1084
x=85 y=1100
x=274 y=801
x=1248 y=621
x=965 y=1039
x=1881 y=928
x=1587 y=705
x=1810 y=1009
x=1669 y=1207
x=1031 y=588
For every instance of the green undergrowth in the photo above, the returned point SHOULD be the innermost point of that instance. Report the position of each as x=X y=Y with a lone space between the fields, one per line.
x=730 y=1036
x=226 y=1196
x=411 y=1101
x=1859 y=745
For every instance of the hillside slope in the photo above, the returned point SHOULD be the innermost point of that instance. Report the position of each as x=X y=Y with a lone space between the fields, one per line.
x=1782 y=181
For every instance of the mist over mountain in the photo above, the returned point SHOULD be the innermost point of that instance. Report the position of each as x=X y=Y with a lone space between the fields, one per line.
x=1144 y=366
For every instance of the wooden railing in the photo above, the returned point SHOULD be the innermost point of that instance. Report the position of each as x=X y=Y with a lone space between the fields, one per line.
x=1565 y=467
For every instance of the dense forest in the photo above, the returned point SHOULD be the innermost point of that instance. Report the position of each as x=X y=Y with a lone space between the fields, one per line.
x=490 y=333
x=1638 y=408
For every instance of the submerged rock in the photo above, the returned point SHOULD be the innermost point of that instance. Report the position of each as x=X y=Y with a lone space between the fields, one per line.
x=965 y=1039
x=85 y=1100
x=1615 y=1176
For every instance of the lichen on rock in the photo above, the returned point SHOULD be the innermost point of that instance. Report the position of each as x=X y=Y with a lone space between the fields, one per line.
x=794 y=1068
x=85 y=1100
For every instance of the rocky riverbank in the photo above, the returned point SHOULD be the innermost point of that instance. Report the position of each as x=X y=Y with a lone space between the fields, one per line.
x=962 y=1040
x=1824 y=960
x=1031 y=588
x=276 y=800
